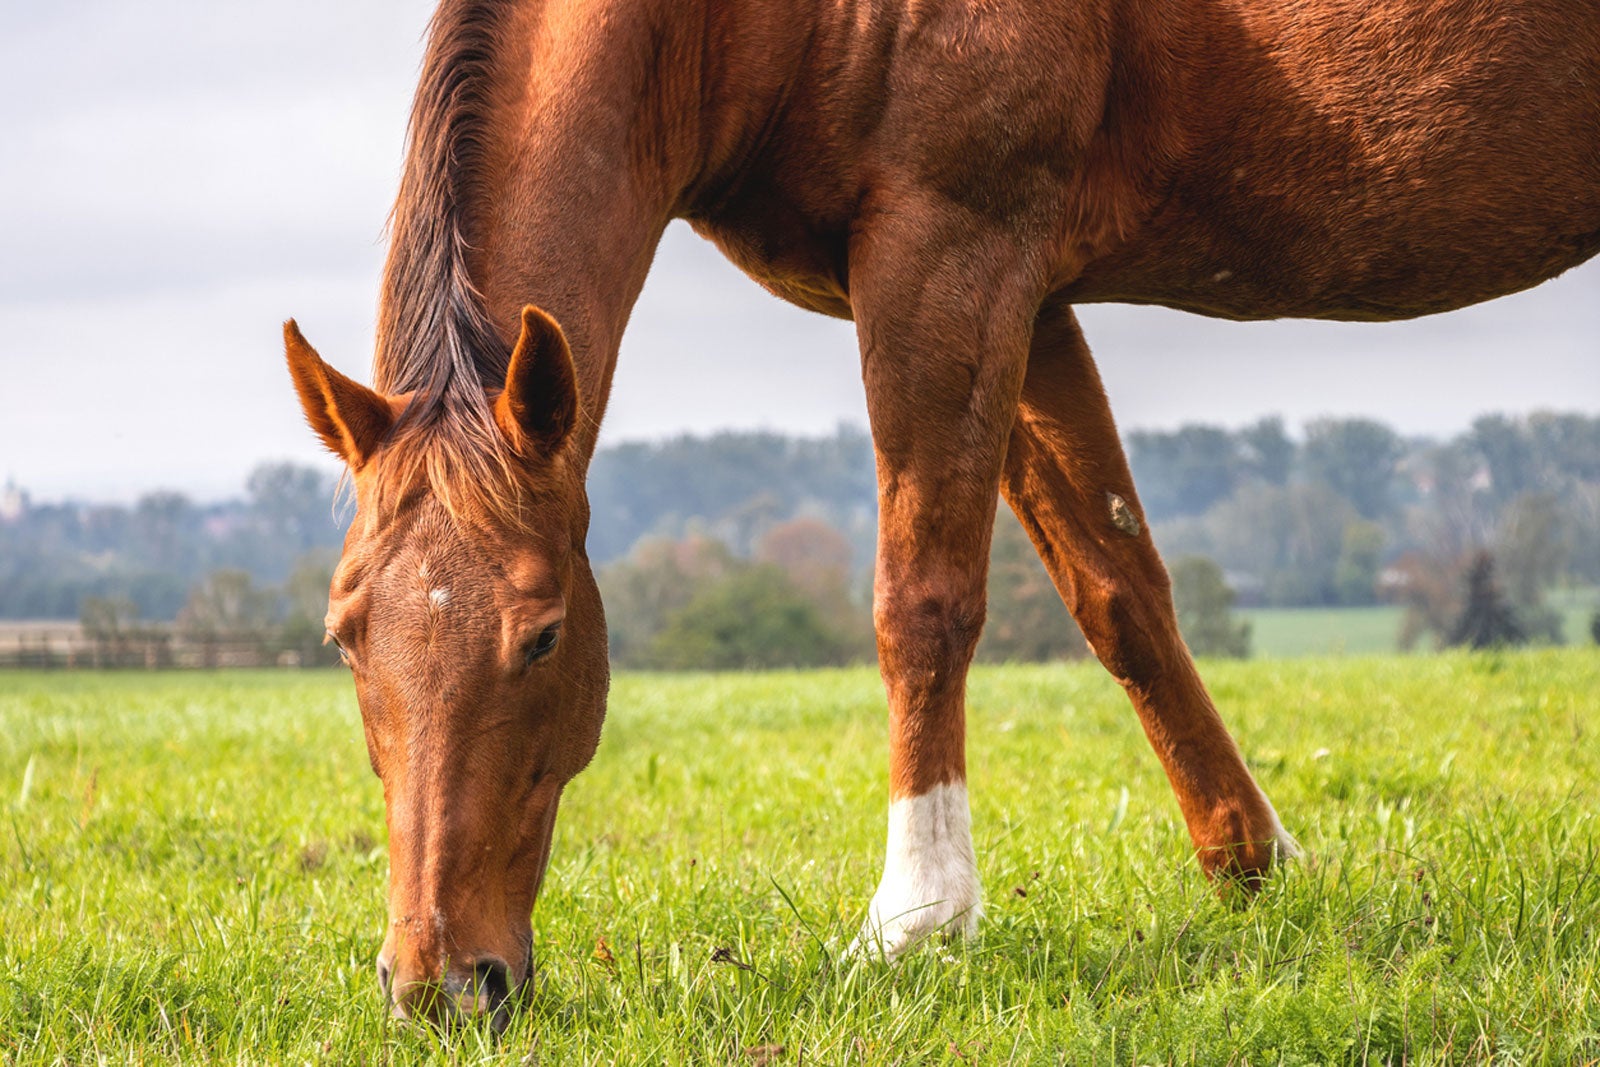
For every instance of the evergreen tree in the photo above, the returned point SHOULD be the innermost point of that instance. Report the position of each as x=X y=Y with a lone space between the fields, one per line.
x=1486 y=620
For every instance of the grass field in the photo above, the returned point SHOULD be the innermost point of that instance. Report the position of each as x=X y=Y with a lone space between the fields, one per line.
x=1280 y=632
x=192 y=870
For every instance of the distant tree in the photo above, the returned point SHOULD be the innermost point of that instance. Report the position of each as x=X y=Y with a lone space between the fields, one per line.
x=1184 y=472
x=752 y=619
x=742 y=526
x=157 y=594
x=1357 y=458
x=1530 y=548
x=1027 y=622
x=657 y=580
x=1452 y=512
x=226 y=606
x=814 y=555
x=1355 y=578
x=733 y=484
x=1205 y=609
x=816 y=558
x=1594 y=627
x=1486 y=620
x=1507 y=451
x=1268 y=450
x=1582 y=508
x=107 y=617
x=1287 y=541
x=1566 y=447
x=166 y=533
x=305 y=608
x=110 y=623
x=293 y=505
x=104 y=528
x=1428 y=587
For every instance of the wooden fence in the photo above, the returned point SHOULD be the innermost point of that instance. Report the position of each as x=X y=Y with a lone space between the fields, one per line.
x=50 y=645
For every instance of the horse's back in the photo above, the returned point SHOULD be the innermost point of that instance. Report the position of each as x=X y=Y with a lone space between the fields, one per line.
x=1366 y=159
x=1243 y=158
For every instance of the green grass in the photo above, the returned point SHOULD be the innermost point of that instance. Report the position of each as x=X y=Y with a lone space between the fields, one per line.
x=1279 y=632
x=192 y=870
x=1577 y=607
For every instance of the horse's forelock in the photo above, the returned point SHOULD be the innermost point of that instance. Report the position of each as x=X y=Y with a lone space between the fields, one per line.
x=460 y=458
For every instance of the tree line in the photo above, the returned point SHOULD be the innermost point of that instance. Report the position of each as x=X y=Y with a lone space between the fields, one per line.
x=1356 y=514
x=728 y=549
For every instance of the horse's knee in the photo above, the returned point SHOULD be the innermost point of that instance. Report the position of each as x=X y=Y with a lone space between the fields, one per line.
x=927 y=630
x=1126 y=625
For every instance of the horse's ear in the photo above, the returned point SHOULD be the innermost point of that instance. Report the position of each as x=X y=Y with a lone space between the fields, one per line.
x=351 y=419
x=540 y=400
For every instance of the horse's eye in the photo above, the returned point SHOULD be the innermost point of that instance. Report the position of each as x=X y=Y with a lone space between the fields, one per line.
x=542 y=645
x=328 y=638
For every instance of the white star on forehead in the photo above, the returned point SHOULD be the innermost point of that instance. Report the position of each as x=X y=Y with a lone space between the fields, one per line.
x=438 y=598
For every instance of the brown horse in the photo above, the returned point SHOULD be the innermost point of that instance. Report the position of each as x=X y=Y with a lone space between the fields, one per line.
x=954 y=175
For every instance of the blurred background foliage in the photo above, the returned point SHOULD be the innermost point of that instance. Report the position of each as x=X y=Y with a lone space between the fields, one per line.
x=755 y=549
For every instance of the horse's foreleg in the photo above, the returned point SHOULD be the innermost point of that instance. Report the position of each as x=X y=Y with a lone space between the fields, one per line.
x=943 y=355
x=1068 y=481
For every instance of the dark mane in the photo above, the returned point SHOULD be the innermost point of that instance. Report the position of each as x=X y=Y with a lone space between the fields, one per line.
x=435 y=340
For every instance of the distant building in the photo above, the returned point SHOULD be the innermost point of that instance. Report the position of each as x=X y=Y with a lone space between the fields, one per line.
x=13 y=502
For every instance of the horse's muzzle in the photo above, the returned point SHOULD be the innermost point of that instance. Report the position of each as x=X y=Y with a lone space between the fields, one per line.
x=476 y=989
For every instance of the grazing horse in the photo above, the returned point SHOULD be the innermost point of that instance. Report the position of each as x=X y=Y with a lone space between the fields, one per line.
x=954 y=176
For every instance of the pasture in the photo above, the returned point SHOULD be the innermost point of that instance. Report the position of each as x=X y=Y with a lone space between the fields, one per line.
x=1374 y=630
x=192 y=869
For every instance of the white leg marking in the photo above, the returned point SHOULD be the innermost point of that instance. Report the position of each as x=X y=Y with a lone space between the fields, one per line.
x=930 y=875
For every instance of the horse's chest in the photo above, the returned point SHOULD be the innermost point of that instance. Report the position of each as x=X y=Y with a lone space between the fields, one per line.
x=794 y=257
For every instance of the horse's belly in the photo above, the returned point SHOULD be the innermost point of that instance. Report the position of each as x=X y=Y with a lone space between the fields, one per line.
x=1398 y=267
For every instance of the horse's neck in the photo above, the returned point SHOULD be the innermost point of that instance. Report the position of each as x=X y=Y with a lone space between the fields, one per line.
x=568 y=212
x=593 y=123
x=629 y=113
x=599 y=137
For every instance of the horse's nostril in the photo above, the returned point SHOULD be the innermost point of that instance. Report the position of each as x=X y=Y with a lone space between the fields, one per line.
x=491 y=980
x=481 y=991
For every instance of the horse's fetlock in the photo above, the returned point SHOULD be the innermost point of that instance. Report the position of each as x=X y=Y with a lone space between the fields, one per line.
x=1241 y=840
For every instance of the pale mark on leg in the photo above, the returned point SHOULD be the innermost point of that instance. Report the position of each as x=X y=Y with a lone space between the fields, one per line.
x=1122 y=516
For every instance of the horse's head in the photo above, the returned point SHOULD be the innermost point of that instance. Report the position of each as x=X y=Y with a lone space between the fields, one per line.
x=467 y=612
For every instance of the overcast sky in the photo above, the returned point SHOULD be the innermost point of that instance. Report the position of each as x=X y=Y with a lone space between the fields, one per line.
x=179 y=177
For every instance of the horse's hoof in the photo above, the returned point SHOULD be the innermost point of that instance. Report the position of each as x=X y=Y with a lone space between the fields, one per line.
x=1246 y=864
x=887 y=935
x=930 y=875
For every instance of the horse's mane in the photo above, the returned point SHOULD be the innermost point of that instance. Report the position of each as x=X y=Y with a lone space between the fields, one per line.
x=435 y=340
